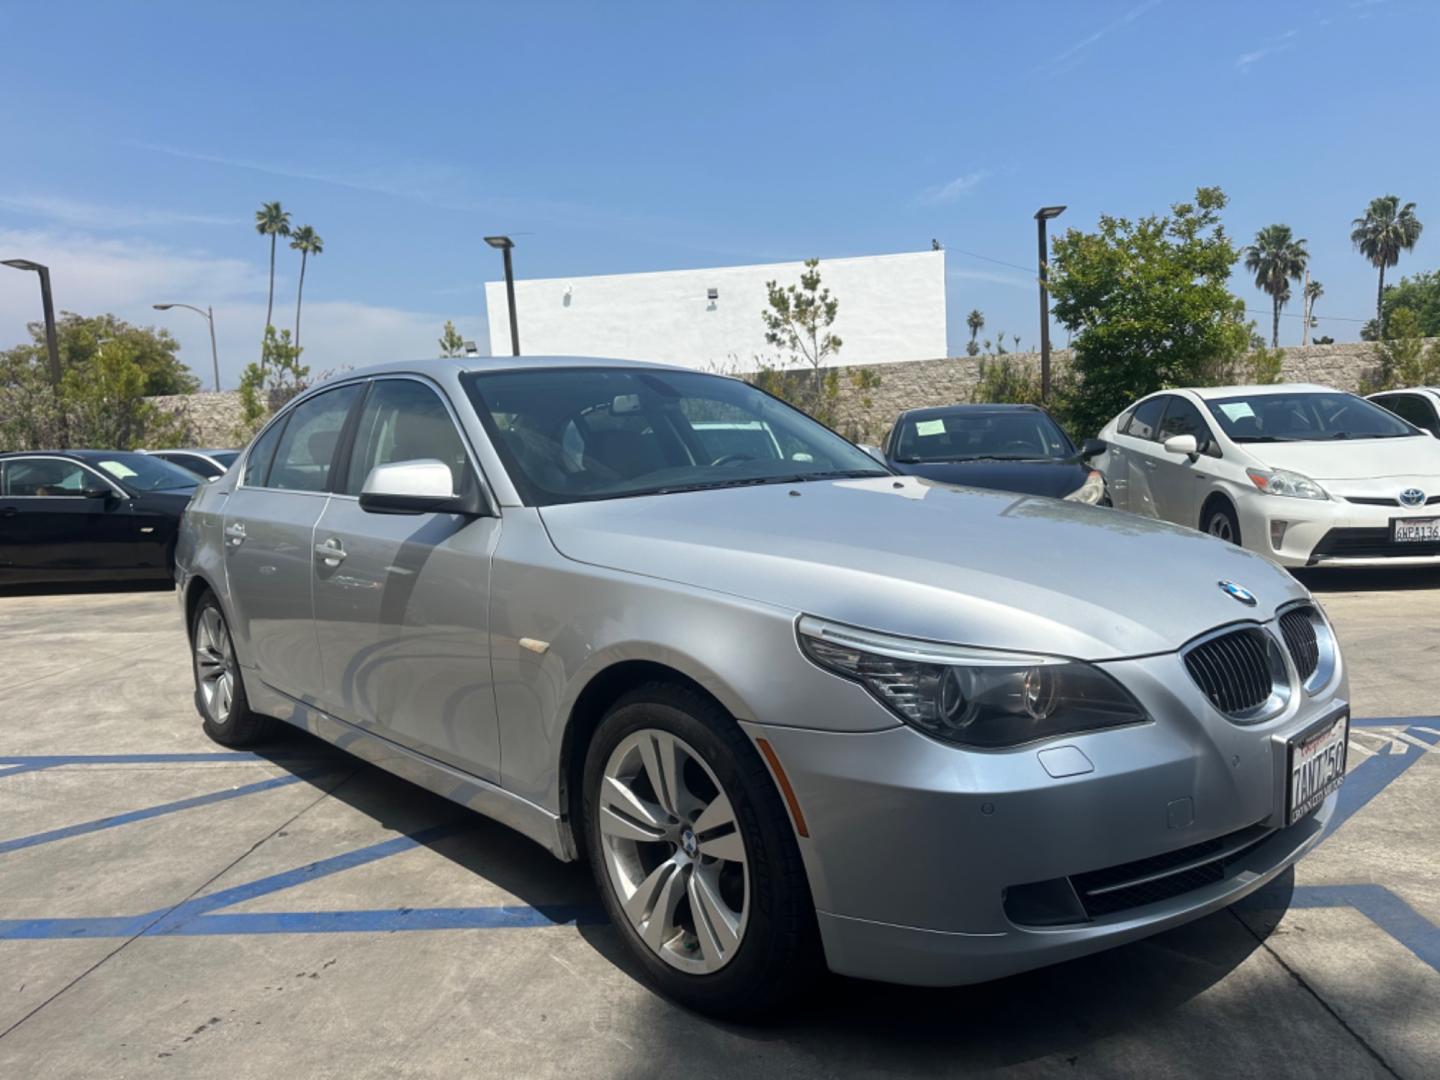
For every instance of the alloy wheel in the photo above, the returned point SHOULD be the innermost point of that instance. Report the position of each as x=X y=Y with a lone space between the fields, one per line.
x=673 y=851
x=215 y=664
x=1220 y=527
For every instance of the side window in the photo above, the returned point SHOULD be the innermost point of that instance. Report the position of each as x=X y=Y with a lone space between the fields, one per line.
x=257 y=462
x=307 y=446
x=46 y=477
x=1145 y=420
x=404 y=420
x=1410 y=407
x=1183 y=418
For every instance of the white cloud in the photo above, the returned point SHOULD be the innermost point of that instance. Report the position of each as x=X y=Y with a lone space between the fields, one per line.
x=97 y=216
x=954 y=189
x=1084 y=43
x=1014 y=281
x=1284 y=42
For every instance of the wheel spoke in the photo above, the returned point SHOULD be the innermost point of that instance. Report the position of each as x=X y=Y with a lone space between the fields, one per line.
x=716 y=928
x=624 y=814
x=718 y=833
x=223 y=697
x=662 y=765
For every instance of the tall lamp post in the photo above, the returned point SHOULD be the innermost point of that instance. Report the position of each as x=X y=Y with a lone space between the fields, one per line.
x=505 y=244
x=209 y=316
x=51 y=345
x=1044 y=214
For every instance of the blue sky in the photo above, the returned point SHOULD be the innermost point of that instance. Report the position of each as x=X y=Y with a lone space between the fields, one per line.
x=139 y=139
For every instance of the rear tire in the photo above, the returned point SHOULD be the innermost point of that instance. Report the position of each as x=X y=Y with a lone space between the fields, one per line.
x=698 y=869
x=1221 y=522
x=219 y=687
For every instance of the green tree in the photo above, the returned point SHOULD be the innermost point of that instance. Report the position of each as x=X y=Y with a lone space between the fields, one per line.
x=1265 y=366
x=864 y=381
x=273 y=221
x=976 y=322
x=1313 y=291
x=269 y=383
x=306 y=241
x=1386 y=229
x=451 y=341
x=1403 y=359
x=1421 y=294
x=1276 y=258
x=798 y=319
x=1005 y=382
x=1148 y=305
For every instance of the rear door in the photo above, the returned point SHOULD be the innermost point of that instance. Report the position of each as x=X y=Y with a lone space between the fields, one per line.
x=53 y=526
x=402 y=601
x=269 y=526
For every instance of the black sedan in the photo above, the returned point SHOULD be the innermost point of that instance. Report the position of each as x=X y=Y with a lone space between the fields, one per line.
x=76 y=515
x=1007 y=447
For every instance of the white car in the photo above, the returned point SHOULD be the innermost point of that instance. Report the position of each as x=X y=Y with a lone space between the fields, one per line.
x=1421 y=406
x=1303 y=474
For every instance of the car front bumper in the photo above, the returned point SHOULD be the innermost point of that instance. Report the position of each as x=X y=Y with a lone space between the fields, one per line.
x=923 y=857
x=1331 y=532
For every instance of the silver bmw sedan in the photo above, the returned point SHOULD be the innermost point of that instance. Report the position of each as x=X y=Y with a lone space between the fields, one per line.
x=795 y=710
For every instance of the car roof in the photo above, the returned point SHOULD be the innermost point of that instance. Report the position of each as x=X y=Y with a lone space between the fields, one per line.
x=933 y=411
x=490 y=364
x=1210 y=393
x=78 y=455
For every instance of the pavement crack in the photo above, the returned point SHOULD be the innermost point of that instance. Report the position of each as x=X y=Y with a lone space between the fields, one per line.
x=160 y=916
x=1300 y=981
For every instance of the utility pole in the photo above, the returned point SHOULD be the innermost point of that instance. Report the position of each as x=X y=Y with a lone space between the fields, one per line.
x=1305 y=307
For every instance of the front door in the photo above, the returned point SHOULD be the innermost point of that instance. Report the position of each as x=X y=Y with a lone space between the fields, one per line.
x=1140 y=450
x=402 y=600
x=269 y=541
x=1177 y=481
x=53 y=525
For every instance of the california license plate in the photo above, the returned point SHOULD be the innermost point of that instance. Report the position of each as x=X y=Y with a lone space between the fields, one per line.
x=1317 y=766
x=1415 y=530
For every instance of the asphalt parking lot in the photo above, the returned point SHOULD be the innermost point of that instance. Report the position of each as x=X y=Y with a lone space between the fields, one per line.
x=171 y=908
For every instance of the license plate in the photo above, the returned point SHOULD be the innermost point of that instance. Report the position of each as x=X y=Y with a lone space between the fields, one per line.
x=1317 y=766
x=1415 y=530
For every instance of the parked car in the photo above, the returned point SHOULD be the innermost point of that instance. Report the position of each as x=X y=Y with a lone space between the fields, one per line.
x=207 y=464
x=792 y=709
x=70 y=515
x=1007 y=447
x=1419 y=405
x=1302 y=474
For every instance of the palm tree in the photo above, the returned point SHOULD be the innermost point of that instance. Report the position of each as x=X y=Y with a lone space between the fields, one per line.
x=306 y=241
x=272 y=221
x=1275 y=258
x=1313 y=291
x=1386 y=230
x=976 y=322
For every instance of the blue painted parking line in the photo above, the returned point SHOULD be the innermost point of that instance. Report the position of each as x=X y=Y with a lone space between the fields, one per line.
x=1391 y=721
x=1372 y=776
x=116 y=820
x=1384 y=909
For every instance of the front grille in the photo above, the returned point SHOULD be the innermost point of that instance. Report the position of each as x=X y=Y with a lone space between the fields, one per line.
x=1162 y=877
x=1366 y=500
x=1366 y=544
x=1233 y=670
x=1298 y=628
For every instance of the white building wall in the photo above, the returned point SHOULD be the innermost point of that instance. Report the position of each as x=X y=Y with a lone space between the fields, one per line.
x=892 y=307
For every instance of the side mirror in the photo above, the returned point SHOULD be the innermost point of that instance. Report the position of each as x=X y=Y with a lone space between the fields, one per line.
x=1182 y=444
x=98 y=491
x=875 y=452
x=1092 y=448
x=423 y=486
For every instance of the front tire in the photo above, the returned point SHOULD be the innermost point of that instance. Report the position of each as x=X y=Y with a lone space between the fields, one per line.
x=1221 y=523
x=694 y=854
x=219 y=688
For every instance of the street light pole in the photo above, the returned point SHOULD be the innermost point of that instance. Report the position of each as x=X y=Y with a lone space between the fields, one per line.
x=505 y=244
x=52 y=345
x=1044 y=214
x=209 y=316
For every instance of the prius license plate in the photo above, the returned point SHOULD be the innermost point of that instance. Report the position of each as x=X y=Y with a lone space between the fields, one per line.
x=1317 y=766
x=1415 y=530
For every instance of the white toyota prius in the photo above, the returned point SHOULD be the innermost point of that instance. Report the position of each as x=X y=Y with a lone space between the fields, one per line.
x=1306 y=475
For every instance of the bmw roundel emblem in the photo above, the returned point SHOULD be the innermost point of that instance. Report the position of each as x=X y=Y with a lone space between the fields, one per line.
x=1237 y=592
x=1412 y=497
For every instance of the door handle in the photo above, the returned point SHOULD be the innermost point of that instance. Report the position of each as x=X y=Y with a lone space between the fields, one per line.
x=330 y=551
x=235 y=533
x=1151 y=464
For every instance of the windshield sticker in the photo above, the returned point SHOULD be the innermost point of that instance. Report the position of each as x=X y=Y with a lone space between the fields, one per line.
x=117 y=470
x=930 y=427
x=1236 y=410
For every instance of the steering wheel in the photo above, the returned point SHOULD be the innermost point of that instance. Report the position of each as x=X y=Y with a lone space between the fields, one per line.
x=731 y=459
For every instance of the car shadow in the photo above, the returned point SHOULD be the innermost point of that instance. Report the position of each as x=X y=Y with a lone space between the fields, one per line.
x=78 y=588
x=1333 y=579
x=850 y=1024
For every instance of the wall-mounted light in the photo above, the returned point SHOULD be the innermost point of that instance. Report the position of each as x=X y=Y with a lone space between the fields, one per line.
x=712 y=294
x=471 y=349
x=565 y=297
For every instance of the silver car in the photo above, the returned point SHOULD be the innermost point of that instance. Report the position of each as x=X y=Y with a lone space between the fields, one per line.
x=795 y=710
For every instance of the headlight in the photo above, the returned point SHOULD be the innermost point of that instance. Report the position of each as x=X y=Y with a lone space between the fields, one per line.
x=1285 y=482
x=1091 y=491
x=974 y=697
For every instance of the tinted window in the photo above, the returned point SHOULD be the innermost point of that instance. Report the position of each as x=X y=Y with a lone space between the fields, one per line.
x=1410 y=407
x=569 y=434
x=1010 y=434
x=403 y=420
x=226 y=458
x=307 y=446
x=1183 y=418
x=194 y=463
x=47 y=476
x=257 y=462
x=1145 y=420
x=1304 y=416
x=142 y=472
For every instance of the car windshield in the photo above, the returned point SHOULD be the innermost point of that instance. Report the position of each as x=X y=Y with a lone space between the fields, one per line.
x=575 y=434
x=1002 y=435
x=141 y=472
x=1305 y=416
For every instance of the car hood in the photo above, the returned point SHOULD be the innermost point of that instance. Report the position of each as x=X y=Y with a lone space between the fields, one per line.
x=1353 y=459
x=1054 y=478
x=907 y=556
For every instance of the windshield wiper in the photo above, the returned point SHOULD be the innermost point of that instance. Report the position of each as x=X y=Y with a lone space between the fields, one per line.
x=754 y=481
x=1265 y=438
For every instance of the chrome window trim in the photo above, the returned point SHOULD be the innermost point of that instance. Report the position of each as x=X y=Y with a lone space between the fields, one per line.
x=69 y=461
